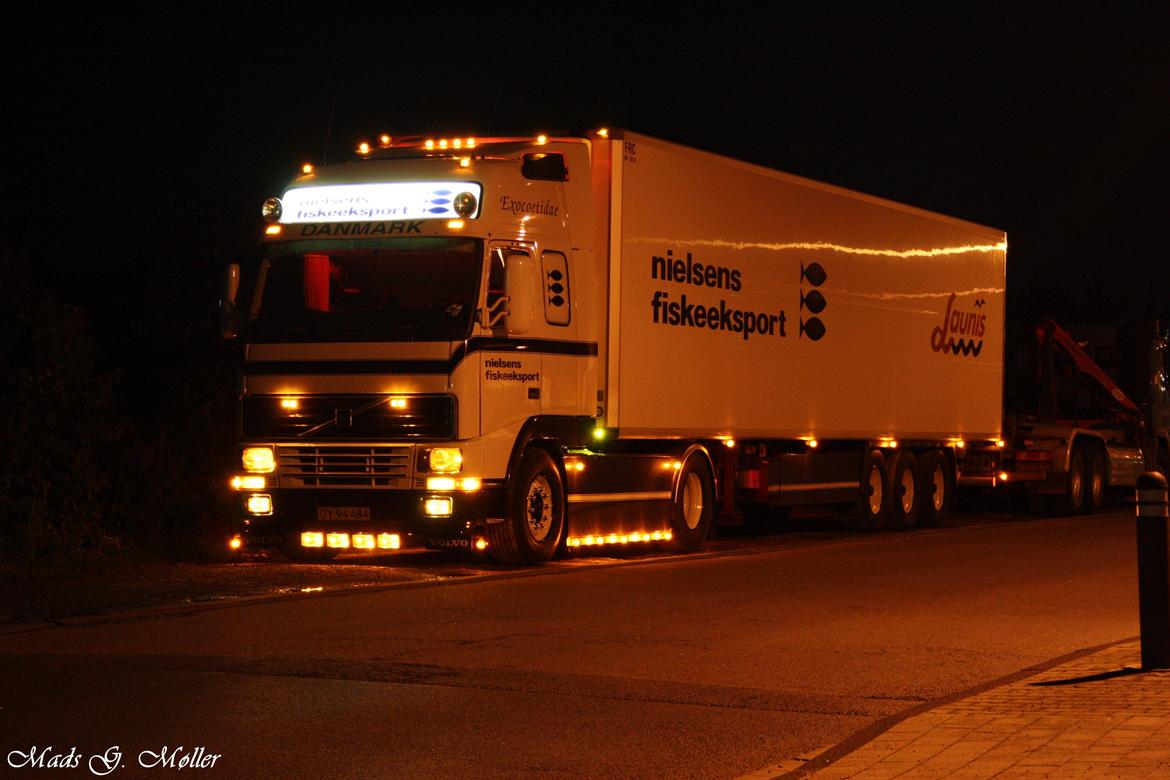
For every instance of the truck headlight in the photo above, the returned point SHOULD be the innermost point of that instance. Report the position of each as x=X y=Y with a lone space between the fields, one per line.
x=445 y=460
x=259 y=459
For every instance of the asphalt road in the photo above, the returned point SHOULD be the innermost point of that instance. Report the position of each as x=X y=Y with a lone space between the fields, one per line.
x=703 y=667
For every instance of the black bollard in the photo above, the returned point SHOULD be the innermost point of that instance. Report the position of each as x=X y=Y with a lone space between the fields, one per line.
x=1153 y=543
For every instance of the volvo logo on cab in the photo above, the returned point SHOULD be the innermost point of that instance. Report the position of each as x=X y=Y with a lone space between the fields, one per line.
x=958 y=323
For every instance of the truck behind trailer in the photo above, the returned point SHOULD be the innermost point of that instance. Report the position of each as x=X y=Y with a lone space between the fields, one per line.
x=530 y=345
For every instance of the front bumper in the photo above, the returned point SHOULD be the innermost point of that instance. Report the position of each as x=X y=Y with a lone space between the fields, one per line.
x=371 y=512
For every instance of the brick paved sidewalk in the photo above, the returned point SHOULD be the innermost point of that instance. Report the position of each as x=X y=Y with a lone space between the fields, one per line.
x=1097 y=716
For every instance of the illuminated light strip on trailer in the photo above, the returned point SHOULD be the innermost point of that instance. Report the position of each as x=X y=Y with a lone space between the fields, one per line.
x=637 y=537
x=585 y=498
x=378 y=201
x=814 y=246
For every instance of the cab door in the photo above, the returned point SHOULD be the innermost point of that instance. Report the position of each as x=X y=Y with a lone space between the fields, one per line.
x=508 y=363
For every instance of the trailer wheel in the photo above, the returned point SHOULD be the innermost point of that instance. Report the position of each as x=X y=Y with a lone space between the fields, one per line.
x=1095 y=481
x=935 y=481
x=536 y=513
x=869 y=512
x=694 y=504
x=904 y=494
x=1073 y=499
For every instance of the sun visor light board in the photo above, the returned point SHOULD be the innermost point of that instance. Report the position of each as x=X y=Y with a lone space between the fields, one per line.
x=378 y=202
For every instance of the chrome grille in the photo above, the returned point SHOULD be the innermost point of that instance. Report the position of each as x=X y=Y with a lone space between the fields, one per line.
x=344 y=466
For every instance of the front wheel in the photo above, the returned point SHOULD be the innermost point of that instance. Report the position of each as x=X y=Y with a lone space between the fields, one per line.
x=536 y=513
x=694 y=504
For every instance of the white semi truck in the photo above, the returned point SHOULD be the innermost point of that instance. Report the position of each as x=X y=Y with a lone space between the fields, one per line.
x=531 y=345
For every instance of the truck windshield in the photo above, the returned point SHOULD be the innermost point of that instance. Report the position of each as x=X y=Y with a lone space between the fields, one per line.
x=413 y=289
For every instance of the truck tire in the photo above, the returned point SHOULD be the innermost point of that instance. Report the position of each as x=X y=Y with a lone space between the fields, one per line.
x=694 y=504
x=869 y=512
x=536 y=513
x=936 y=484
x=1095 y=480
x=905 y=497
x=1073 y=500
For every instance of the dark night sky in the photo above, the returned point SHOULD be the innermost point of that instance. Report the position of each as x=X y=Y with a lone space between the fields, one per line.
x=140 y=148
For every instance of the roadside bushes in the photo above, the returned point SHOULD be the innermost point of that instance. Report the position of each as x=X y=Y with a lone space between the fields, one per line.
x=88 y=469
x=57 y=424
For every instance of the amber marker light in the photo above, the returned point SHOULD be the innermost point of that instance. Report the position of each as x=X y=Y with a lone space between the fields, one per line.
x=235 y=543
x=729 y=442
x=337 y=541
x=389 y=541
x=312 y=539
x=290 y=404
x=1000 y=443
x=429 y=144
x=812 y=444
x=1003 y=476
x=542 y=139
x=443 y=143
x=481 y=543
x=464 y=162
x=249 y=483
x=363 y=148
x=470 y=484
x=307 y=168
x=397 y=403
x=455 y=224
x=363 y=542
x=385 y=140
x=273 y=230
x=603 y=132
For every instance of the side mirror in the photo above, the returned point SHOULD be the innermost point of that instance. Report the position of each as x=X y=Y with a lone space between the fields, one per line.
x=230 y=318
x=521 y=284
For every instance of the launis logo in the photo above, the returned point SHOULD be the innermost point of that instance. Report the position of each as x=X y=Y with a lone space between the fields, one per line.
x=961 y=331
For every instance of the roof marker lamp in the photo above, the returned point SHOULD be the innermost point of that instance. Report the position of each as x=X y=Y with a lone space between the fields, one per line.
x=307 y=168
x=364 y=148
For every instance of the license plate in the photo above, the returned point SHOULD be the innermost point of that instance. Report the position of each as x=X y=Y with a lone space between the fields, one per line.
x=344 y=514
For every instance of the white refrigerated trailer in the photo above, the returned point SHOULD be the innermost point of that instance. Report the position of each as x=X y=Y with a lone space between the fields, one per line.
x=526 y=345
